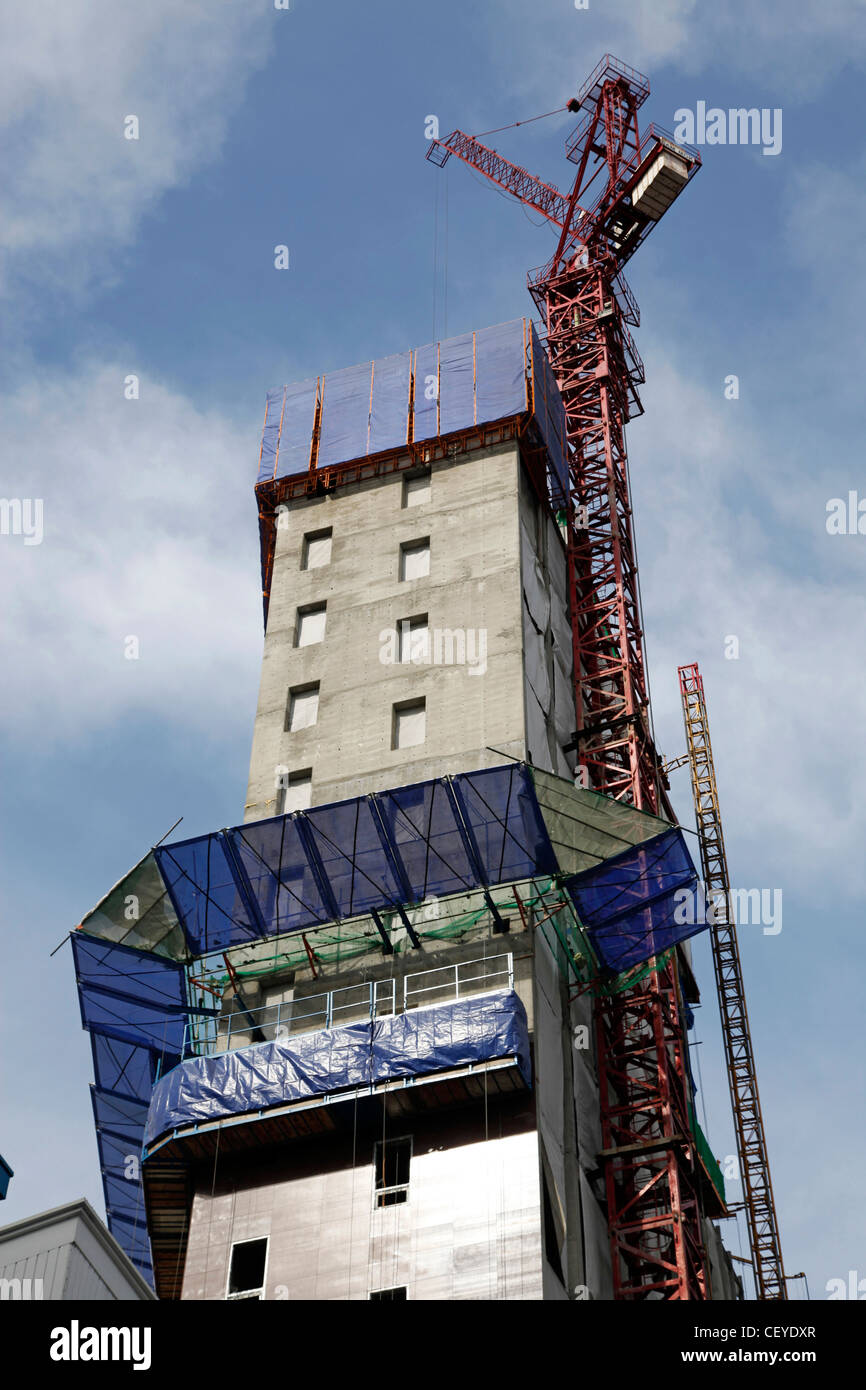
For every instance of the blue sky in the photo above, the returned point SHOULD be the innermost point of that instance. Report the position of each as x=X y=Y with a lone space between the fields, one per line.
x=155 y=257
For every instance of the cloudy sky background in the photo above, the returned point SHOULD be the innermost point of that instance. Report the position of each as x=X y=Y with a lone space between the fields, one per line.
x=155 y=257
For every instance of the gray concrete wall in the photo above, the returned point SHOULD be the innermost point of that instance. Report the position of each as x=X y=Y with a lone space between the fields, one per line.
x=725 y=1281
x=547 y=643
x=470 y=1228
x=497 y=573
x=569 y=1133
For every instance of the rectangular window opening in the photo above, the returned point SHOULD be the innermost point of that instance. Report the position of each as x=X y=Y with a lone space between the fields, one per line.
x=247 y=1269
x=416 y=490
x=303 y=708
x=295 y=792
x=415 y=559
x=409 y=724
x=397 y=1294
x=392 y=1160
x=310 y=625
x=316 y=550
x=413 y=639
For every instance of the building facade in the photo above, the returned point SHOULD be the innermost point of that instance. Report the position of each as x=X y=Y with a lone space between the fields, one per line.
x=66 y=1254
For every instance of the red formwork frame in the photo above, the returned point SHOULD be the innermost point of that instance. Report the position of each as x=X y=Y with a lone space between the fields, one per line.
x=648 y=1156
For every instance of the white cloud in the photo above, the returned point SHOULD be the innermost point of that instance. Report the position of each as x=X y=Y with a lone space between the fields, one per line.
x=149 y=531
x=74 y=188
x=551 y=46
x=724 y=549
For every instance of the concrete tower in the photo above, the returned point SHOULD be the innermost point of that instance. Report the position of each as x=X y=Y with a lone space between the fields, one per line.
x=387 y=1085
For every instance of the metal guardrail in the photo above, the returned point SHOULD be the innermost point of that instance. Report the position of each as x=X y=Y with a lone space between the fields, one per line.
x=243 y=1027
x=655 y=132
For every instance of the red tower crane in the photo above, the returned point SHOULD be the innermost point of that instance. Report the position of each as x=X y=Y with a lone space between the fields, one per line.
x=625 y=182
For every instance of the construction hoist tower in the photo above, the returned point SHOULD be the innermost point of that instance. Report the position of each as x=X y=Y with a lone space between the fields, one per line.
x=626 y=180
x=739 y=1056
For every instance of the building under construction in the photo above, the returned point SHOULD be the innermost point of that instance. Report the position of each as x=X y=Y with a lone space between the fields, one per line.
x=416 y=1027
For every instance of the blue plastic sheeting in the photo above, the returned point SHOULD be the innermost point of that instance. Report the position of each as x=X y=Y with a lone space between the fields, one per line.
x=426 y=371
x=287 y=438
x=130 y=995
x=134 y=1004
x=124 y=1198
x=132 y=1238
x=457 y=383
x=394 y=849
x=206 y=892
x=345 y=414
x=120 y=1117
x=125 y=1070
x=124 y=1082
x=424 y=1041
x=550 y=414
x=629 y=905
x=389 y=416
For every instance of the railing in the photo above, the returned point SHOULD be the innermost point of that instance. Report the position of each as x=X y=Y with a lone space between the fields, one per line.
x=655 y=133
x=241 y=1027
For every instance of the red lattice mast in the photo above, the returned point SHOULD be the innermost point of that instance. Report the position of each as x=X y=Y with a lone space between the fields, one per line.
x=625 y=182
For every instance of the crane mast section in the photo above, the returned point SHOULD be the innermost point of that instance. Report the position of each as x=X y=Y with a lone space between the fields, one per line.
x=739 y=1056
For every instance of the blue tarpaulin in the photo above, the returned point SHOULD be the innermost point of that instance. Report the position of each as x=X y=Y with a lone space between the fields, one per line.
x=287 y=437
x=345 y=425
x=426 y=375
x=418 y=1043
x=500 y=378
x=457 y=383
x=550 y=414
x=473 y=379
x=638 y=904
x=389 y=415
x=399 y=847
